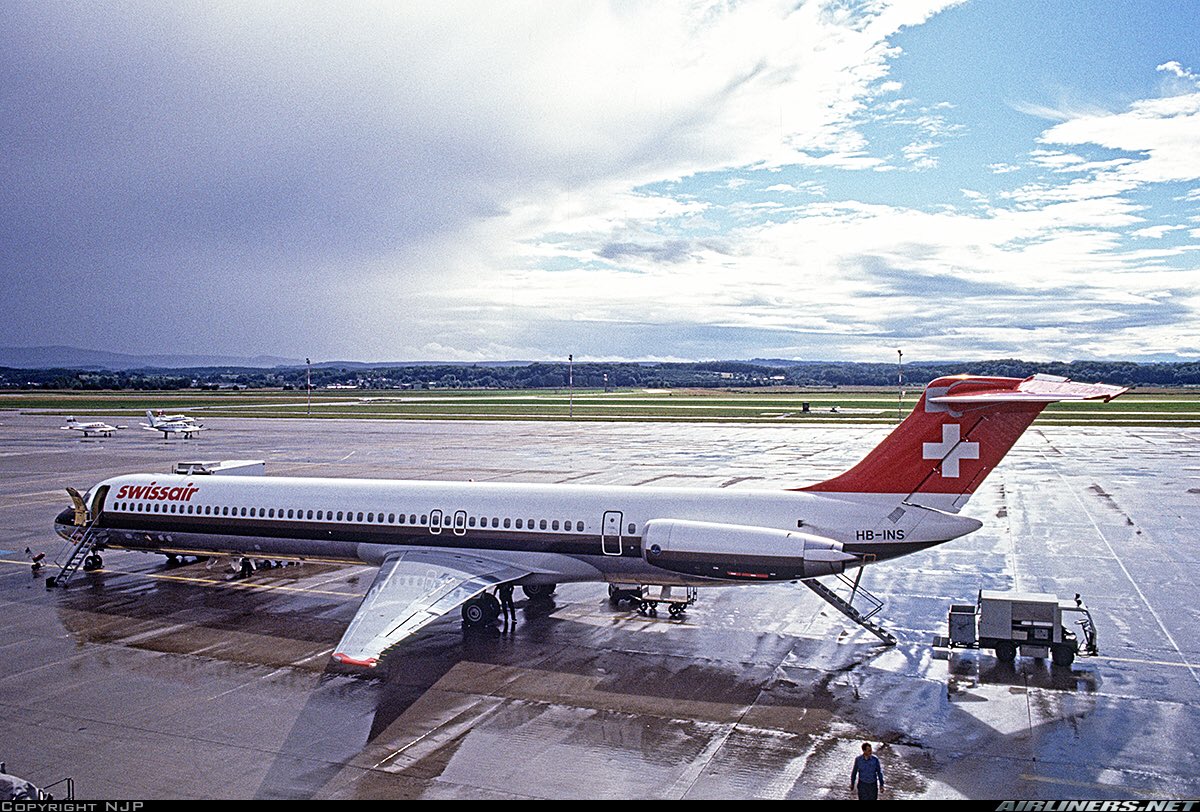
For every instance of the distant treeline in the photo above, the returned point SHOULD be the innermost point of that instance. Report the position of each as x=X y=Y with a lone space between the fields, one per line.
x=594 y=375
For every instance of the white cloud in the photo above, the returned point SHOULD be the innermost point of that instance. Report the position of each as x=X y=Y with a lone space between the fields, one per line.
x=1156 y=232
x=1163 y=132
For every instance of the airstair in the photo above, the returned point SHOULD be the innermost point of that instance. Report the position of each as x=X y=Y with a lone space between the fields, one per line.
x=80 y=546
x=846 y=605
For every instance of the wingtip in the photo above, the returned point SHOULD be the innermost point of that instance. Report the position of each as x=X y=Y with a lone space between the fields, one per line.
x=346 y=659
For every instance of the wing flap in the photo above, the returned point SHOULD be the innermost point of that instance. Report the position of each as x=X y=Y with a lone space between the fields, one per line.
x=412 y=589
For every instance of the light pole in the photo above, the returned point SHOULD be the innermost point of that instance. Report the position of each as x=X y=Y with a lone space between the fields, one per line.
x=900 y=383
x=308 y=383
x=571 y=384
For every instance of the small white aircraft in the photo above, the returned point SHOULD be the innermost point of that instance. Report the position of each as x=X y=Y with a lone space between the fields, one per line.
x=98 y=428
x=178 y=424
x=173 y=418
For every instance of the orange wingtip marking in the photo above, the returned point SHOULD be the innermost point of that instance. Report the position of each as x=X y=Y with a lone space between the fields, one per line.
x=346 y=659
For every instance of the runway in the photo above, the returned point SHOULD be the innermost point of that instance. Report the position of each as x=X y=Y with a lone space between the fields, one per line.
x=143 y=681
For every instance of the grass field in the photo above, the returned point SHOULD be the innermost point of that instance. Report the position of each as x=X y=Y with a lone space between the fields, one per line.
x=685 y=405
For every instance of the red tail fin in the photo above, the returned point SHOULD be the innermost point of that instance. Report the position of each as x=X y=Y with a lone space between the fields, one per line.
x=959 y=431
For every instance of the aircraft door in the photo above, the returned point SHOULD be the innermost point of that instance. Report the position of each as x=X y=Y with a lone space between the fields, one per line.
x=610 y=533
x=98 y=500
x=435 y=522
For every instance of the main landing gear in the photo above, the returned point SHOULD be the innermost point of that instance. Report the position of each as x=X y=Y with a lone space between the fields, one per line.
x=484 y=608
x=480 y=610
x=539 y=592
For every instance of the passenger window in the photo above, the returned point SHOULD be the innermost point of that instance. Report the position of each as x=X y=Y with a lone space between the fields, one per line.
x=391 y=518
x=471 y=522
x=519 y=524
x=579 y=526
x=225 y=510
x=530 y=525
x=424 y=519
x=320 y=515
x=542 y=524
x=360 y=516
x=412 y=518
x=310 y=514
x=554 y=525
x=370 y=517
x=271 y=513
x=401 y=518
x=495 y=521
x=508 y=523
x=632 y=527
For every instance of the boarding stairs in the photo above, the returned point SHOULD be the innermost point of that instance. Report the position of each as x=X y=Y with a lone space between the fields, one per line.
x=846 y=605
x=79 y=546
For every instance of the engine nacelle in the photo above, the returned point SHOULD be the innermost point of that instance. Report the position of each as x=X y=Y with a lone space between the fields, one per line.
x=740 y=552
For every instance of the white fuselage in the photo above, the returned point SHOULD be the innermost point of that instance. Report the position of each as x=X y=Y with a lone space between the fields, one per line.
x=562 y=532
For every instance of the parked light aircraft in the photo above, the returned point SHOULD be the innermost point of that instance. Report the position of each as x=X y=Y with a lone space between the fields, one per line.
x=96 y=427
x=441 y=545
x=177 y=424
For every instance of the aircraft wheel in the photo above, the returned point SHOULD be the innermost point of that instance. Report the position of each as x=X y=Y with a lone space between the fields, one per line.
x=540 y=592
x=1006 y=652
x=481 y=610
x=92 y=562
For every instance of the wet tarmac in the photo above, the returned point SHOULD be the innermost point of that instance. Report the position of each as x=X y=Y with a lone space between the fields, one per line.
x=147 y=681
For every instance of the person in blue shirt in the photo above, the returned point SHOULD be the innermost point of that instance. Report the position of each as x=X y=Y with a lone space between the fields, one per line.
x=868 y=774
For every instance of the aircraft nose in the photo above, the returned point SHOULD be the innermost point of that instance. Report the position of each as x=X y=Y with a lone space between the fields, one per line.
x=64 y=522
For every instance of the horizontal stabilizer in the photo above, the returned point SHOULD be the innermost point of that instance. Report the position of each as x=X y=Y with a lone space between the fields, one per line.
x=1038 y=389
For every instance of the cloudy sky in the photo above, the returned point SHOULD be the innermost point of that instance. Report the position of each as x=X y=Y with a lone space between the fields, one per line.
x=626 y=180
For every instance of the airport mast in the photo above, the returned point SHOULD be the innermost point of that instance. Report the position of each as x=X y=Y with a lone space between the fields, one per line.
x=571 y=384
x=900 y=384
x=308 y=383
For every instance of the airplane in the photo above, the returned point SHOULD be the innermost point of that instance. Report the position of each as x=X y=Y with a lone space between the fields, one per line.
x=97 y=427
x=181 y=418
x=177 y=424
x=442 y=545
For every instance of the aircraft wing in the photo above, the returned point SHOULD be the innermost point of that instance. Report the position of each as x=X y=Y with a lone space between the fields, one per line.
x=414 y=588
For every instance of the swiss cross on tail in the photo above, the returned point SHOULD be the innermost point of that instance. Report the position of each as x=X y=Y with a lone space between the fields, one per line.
x=959 y=431
x=950 y=450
